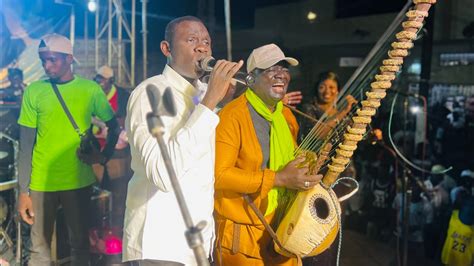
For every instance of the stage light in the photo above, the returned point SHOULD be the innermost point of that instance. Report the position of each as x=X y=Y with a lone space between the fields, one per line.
x=311 y=16
x=113 y=245
x=415 y=68
x=92 y=5
x=415 y=109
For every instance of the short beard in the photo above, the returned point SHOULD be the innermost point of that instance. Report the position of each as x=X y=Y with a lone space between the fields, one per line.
x=53 y=79
x=277 y=96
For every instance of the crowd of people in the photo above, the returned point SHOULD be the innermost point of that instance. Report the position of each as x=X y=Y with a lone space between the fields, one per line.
x=75 y=133
x=434 y=197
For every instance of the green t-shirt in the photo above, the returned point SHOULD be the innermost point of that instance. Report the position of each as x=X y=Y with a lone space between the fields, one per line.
x=55 y=165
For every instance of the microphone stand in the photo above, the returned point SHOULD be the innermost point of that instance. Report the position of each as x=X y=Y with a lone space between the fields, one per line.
x=405 y=192
x=193 y=233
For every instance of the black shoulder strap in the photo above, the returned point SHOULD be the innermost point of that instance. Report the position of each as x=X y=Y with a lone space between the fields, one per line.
x=66 y=110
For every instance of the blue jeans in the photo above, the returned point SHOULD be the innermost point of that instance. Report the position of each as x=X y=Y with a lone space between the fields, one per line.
x=75 y=204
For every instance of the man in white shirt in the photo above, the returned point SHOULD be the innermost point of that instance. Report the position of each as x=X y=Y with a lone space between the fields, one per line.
x=154 y=228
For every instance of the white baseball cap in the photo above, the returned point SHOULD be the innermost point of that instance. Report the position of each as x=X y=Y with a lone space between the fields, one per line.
x=105 y=71
x=267 y=56
x=55 y=43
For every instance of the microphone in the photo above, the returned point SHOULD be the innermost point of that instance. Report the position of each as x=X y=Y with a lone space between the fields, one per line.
x=153 y=97
x=160 y=106
x=167 y=107
x=207 y=65
x=168 y=102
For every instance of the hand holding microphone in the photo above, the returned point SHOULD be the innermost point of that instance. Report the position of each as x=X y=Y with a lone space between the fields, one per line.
x=221 y=75
x=208 y=63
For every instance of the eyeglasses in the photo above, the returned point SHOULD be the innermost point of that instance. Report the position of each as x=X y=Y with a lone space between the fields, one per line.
x=276 y=69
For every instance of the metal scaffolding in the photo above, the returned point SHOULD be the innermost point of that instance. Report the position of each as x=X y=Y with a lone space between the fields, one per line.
x=119 y=32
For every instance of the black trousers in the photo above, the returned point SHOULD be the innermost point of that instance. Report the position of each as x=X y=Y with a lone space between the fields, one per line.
x=76 y=207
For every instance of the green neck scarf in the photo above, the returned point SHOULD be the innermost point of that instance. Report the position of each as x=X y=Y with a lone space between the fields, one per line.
x=281 y=141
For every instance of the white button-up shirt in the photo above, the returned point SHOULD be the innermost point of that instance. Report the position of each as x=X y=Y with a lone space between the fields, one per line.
x=154 y=228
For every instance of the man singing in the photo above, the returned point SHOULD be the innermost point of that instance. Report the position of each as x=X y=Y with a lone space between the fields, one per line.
x=154 y=228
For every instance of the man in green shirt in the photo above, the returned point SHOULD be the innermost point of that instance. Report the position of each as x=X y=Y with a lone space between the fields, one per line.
x=53 y=171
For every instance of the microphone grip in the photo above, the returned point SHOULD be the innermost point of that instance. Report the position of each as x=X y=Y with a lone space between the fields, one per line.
x=241 y=78
x=240 y=81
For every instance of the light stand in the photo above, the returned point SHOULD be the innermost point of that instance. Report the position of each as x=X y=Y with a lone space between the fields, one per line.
x=156 y=128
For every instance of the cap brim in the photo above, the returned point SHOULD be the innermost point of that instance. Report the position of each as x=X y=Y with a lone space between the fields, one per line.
x=264 y=65
x=105 y=77
x=46 y=49
x=292 y=61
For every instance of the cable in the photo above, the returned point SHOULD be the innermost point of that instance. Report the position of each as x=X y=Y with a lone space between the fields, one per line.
x=339 y=220
x=408 y=162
